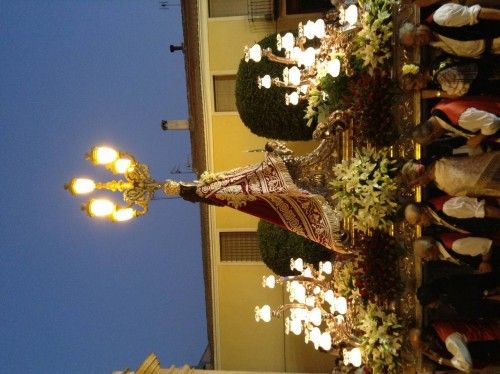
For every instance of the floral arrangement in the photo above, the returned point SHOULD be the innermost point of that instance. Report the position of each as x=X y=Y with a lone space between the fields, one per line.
x=365 y=188
x=376 y=278
x=343 y=279
x=373 y=43
x=381 y=339
x=316 y=106
x=410 y=69
x=372 y=96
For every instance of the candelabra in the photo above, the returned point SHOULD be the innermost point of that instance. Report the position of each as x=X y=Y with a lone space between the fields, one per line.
x=305 y=65
x=138 y=188
x=315 y=309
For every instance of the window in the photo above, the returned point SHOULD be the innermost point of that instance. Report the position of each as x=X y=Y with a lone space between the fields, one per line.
x=224 y=93
x=227 y=8
x=307 y=6
x=239 y=246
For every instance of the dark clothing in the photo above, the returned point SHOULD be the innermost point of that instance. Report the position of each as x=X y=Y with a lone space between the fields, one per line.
x=463 y=293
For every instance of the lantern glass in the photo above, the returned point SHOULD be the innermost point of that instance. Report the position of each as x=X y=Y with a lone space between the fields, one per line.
x=103 y=155
x=123 y=214
x=333 y=67
x=319 y=28
x=309 y=30
x=288 y=41
x=294 y=75
x=101 y=207
x=255 y=53
x=351 y=14
x=81 y=186
x=121 y=165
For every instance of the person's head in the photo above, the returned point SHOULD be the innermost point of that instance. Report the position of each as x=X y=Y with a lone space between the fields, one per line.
x=416 y=214
x=412 y=171
x=407 y=34
x=425 y=248
x=411 y=35
x=427 y=131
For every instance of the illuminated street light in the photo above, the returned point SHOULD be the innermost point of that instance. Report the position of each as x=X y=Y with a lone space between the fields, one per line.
x=138 y=187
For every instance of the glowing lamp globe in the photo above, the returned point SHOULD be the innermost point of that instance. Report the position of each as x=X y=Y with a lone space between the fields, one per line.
x=297 y=264
x=309 y=30
x=319 y=28
x=80 y=186
x=294 y=75
x=123 y=214
x=351 y=14
x=296 y=326
x=307 y=273
x=325 y=341
x=308 y=57
x=269 y=281
x=298 y=293
x=255 y=53
x=292 y=98
x=296 y=54
x=288 y=41
x=314 y=316
x=266 y=81
x=353 y=357
x=263 y=313
x=333 y=67
x=325 y=267
x=315 y=336
x=298 y=314
x=329 y=297
x=103 y=155
x=310 y=301
x=100 y=208
x=341 y=305
x=121 y=165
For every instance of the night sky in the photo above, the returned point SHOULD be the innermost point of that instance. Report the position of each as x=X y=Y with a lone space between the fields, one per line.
x=80 y=295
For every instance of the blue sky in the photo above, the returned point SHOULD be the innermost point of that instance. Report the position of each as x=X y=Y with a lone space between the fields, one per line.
x=79 y=295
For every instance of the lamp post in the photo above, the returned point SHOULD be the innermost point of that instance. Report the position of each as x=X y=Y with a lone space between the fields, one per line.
x=137 y=187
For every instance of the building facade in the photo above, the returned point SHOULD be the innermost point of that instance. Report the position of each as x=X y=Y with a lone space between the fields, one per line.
x=215 y=33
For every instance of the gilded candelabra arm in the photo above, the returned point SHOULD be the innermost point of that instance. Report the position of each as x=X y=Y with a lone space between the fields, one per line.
x=282 y=308
x=114 y=185
x=281 y=60
x=302 y=278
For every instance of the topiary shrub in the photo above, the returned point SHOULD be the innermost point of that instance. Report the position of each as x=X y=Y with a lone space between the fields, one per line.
x=278 y=246
x=264 y=111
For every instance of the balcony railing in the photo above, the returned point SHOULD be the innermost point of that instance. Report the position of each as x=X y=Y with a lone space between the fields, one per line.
x=263 y=10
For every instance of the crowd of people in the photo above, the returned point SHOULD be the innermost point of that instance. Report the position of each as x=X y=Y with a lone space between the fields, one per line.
x=460 y=177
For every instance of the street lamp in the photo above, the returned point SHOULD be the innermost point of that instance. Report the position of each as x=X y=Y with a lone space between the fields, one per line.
x=138 y=187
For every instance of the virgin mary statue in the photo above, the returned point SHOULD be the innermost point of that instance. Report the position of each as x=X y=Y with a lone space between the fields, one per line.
x=270 y=191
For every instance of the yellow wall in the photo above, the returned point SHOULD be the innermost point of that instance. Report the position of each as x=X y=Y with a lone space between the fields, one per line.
x=227 y=38
x=246 y=344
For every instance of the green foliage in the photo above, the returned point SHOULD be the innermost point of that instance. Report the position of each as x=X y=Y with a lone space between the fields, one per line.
x=327 y=97
x=264 y=111
x=278 y=246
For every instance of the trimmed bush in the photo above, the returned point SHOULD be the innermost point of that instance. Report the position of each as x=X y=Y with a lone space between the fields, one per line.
x=278 y=246
x=264 y=111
